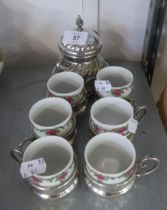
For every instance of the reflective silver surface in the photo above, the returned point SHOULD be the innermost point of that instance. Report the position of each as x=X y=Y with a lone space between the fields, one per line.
x=86 y=68
x=80 y=108
x=17 y=87
x=76 y=51
x=57 y=192
x=82 y=59
x=109 y=190
x=142 y=168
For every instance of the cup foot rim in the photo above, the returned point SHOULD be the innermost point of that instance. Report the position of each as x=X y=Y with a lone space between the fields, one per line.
x=65 y=192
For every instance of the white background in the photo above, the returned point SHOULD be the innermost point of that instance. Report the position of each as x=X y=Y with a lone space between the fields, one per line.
x=30 y=29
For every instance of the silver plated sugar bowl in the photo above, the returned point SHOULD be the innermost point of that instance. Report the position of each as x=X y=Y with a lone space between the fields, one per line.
x=82 y=58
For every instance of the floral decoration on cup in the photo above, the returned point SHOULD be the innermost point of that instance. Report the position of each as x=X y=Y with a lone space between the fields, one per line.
x=59 y=106
x=74 y=96
x=110 y=180
x=97 y=130
x=53 y=180
x=121 y=80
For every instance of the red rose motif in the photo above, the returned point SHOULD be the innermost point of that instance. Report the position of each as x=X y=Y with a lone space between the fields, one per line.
x=117 y=92
x=35 y=179
x=100 y=177
x=51 y=132
x=50 y=94
x=97 y=129
x=69 y=99
x=122 y=131
x=63 y=175
x=130 y=172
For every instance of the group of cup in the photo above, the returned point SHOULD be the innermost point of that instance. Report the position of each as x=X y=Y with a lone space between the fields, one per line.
x=110 y=158
x=53 y=121
x=115 y=111
x=110 y=165
x=111 y=168
x=56 y=115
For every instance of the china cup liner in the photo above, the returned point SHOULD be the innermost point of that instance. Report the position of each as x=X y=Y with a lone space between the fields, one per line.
x=110 y=100
x=92 y=133
x=138 y=113
x=41 y=131
x=60 y=190
x=117 y=68
x=118 y=91
x=59 y=77
x=119 y=182
x=78 y=106
x=38 y=104
x=70 y=136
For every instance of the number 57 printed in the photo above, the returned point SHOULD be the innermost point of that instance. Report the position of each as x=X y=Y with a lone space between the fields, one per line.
x=75 y=37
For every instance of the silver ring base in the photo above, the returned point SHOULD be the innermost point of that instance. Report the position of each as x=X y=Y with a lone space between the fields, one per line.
x=57 y=192
x=108 y=190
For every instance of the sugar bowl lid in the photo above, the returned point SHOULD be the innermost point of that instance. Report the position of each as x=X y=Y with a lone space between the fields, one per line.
x=89 y=49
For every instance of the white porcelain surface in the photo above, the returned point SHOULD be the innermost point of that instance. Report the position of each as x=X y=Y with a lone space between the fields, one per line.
x=58 y=120
x=121 y=109
x=70 y=78
x=121 y=81
x=54 y=175
x=109 y=158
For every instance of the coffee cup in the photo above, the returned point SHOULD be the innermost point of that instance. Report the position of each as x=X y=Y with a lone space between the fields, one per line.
x=70 y=86
x=61 y=170
x=121 y=81
x=113 y=114
x=53 y=116
x=110 y=164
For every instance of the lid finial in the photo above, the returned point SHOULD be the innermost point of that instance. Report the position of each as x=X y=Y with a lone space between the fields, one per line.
x=79 y=23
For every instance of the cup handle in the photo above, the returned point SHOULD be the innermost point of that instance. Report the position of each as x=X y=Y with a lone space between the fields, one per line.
x=145 y=169
x=140 y=112
x=18 y=151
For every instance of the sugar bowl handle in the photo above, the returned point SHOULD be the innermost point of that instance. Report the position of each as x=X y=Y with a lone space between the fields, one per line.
x=18 y=151
x=140 y=112
x=147 y=166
